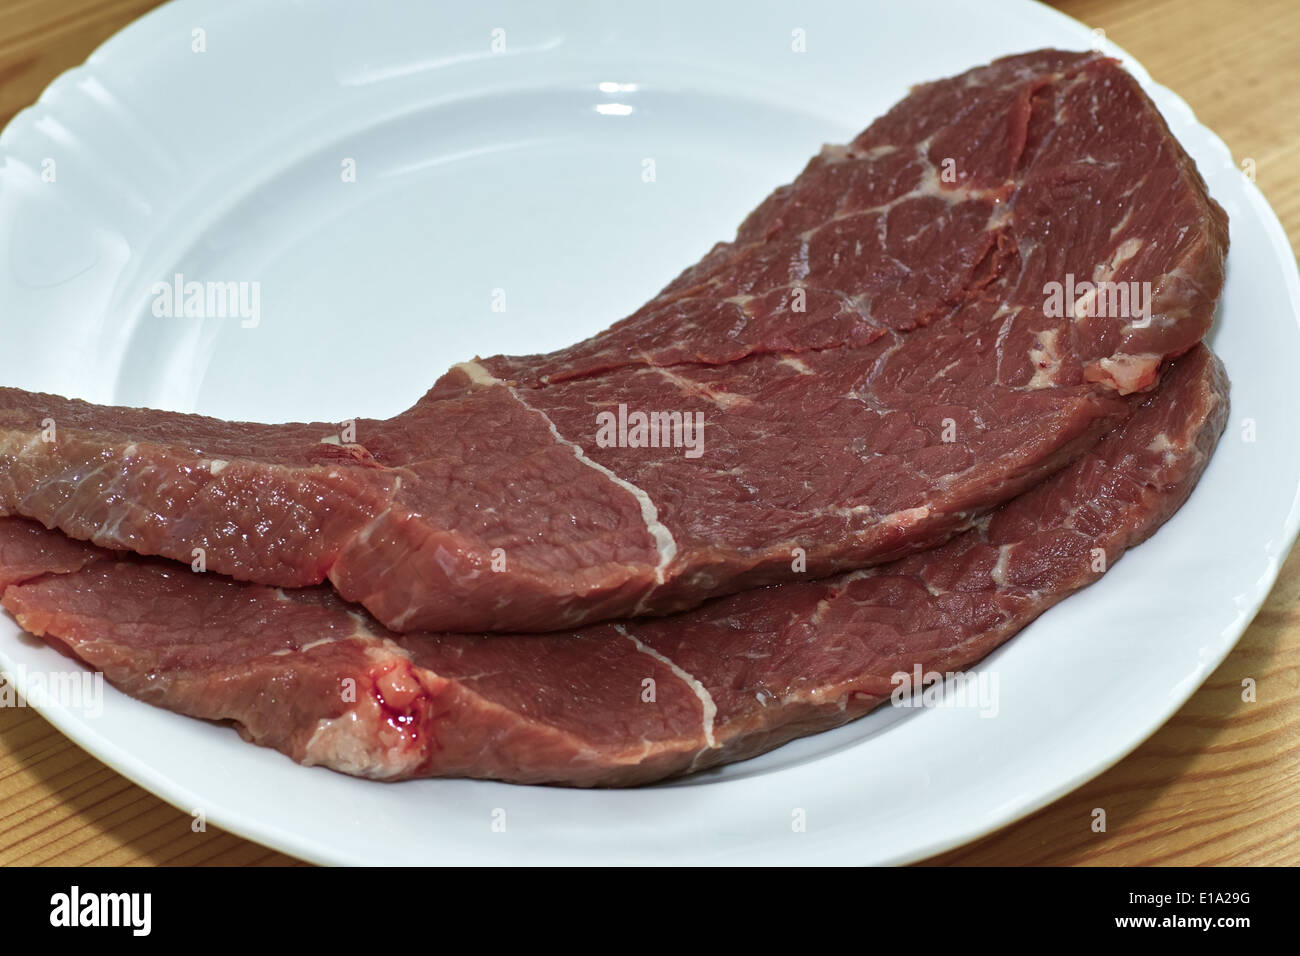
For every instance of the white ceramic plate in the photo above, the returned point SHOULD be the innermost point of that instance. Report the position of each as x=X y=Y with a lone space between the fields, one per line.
x=522 y=170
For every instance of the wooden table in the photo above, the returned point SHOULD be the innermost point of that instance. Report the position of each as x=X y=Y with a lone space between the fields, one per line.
x=1220 y=783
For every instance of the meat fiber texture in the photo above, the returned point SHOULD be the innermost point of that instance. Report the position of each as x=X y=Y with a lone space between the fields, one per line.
x=610 y=704
x=874 y=360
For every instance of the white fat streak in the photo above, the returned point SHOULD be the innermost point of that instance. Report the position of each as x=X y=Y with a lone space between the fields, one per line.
x=724 y=400
x=999 y=572
x=313 y=644
x=838 y=153
x=1121 y=365
x=907 y=517
x=477 y=374
x=284 y=651
x=1120 y=226
x=1105 y=271
x=665 y=544
x=1164 y=447
x=708 y=708
x=1003 y=332
x=930 y=186
x=1126 y=251
x=360 y=632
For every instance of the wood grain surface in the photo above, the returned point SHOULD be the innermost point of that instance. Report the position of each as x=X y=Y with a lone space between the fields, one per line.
x=1218 y=784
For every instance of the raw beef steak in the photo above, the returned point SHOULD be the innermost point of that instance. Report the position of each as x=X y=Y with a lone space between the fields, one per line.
x=307 y=674
x=873 y=362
